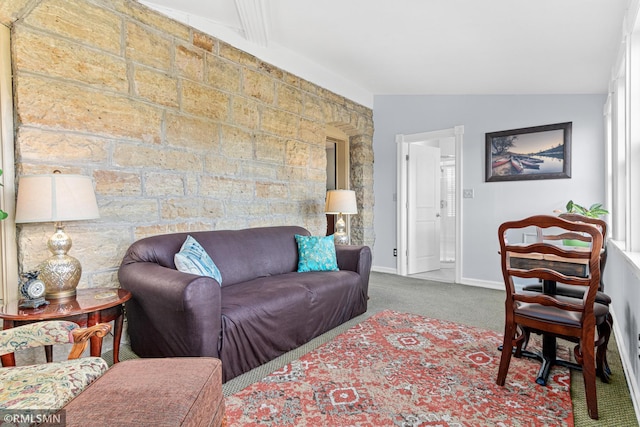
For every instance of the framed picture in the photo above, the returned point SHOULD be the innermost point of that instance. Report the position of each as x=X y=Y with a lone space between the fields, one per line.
x=540 y=152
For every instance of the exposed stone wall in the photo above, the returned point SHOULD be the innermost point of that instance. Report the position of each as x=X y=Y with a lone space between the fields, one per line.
x=179 y=130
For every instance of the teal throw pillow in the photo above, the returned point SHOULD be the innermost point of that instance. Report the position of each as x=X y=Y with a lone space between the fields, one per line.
x=316 y=253
x=193 y=259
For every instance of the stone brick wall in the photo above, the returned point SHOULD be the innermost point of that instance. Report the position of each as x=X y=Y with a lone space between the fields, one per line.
x=179 y=130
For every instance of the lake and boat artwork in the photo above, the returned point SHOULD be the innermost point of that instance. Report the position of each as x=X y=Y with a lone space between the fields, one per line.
x=531 y=153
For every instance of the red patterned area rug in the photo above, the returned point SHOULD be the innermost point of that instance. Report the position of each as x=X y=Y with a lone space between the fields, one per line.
x=397 y=369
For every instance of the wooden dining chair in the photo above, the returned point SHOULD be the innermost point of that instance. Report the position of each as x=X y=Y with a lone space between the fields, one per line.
x=604 y=329
x=547 y=313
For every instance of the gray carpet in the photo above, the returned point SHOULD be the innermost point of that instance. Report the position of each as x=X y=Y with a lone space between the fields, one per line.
x=479 y=307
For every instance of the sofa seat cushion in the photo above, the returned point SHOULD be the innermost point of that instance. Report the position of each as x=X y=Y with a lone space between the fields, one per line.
x=266 y=317
x=48 y=386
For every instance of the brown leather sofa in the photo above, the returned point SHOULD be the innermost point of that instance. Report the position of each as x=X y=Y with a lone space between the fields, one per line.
x=262 y=309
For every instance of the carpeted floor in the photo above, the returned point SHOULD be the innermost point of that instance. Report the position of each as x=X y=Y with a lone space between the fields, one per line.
x=479 y=307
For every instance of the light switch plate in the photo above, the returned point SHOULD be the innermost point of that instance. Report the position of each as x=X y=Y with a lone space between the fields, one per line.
x=467 y=193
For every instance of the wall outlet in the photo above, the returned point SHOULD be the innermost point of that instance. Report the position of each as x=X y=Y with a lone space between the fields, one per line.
x=395 y=252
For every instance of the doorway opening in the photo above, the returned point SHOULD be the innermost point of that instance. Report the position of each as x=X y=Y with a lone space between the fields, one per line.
x=446 y=267
x=429 y=208
x=337 y=149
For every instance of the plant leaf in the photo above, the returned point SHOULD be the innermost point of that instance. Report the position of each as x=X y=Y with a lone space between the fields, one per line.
x=570 y=206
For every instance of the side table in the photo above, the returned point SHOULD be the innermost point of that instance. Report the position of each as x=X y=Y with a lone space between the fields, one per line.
x=87 y=308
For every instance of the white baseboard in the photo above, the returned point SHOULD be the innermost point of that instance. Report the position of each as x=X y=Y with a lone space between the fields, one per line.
x=465 y=281
x=499 y=286
x=389 y=270
x=632 y=383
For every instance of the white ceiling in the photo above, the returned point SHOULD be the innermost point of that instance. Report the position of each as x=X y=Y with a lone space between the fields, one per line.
x=361 y=48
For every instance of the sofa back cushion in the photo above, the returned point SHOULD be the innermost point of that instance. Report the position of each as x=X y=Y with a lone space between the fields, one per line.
x=240 y=255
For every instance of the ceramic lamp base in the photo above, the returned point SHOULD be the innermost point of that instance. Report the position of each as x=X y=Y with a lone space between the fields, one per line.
x=340 y=237
x=61 y=275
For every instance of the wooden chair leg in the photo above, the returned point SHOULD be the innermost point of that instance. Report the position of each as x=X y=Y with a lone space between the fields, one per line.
x=507 y=351
x=589 y=375
x=606 y=342
x=602 y=365
x=523 y=341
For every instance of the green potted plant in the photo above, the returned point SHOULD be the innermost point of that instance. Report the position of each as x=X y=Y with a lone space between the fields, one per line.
x=594 y=211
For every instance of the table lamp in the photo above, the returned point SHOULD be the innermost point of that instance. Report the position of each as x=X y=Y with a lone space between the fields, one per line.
x=56 y=198
x=341 y=202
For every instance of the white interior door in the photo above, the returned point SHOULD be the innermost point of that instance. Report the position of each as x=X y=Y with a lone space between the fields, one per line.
x=403 y=144
x=423 y=209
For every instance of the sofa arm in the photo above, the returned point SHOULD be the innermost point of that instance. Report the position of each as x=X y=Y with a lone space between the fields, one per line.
x=355 y=258
x=171 y=313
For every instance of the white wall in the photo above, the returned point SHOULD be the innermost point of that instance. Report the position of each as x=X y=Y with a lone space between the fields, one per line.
x=494 y=202
x=621 y=279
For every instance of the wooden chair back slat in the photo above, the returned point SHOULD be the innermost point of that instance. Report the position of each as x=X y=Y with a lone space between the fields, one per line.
x=549 y=260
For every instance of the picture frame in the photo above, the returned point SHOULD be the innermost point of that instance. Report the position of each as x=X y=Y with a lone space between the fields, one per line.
x=532 y=153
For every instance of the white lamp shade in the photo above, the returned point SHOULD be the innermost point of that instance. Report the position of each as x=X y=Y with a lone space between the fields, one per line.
x=55 y=198
x=341 y=202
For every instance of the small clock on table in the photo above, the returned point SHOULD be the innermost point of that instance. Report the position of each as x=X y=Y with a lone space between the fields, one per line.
x=32 y=290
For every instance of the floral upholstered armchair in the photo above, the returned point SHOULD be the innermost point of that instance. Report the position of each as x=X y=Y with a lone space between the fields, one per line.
x=48 y=386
